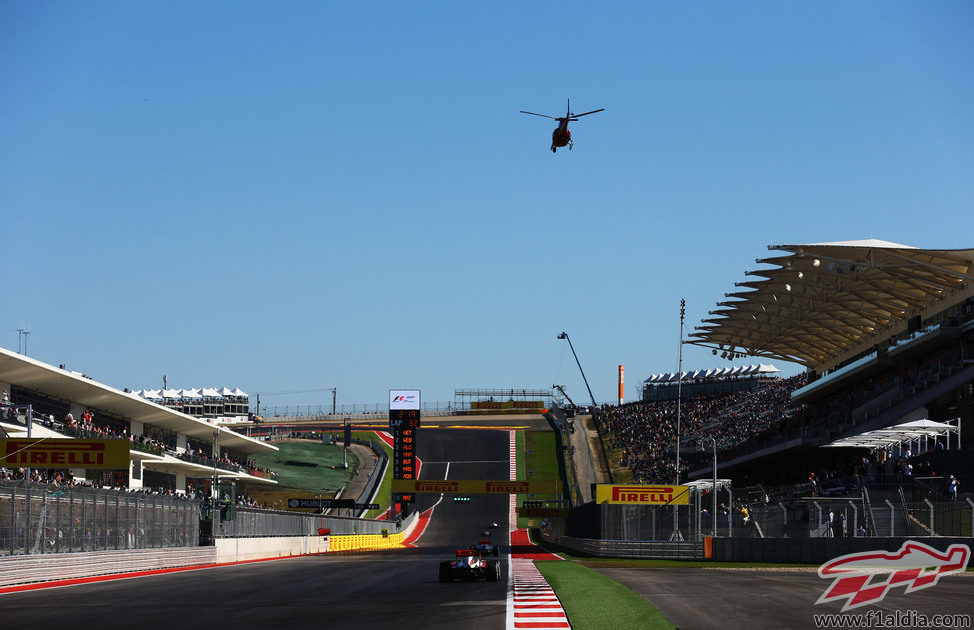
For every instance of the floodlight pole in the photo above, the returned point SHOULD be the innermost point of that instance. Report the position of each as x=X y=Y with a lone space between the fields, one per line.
x=679 y=389
x=30 y=423
x=565 y=336
x=679 y=394
x=713 y=515
x=214 y=493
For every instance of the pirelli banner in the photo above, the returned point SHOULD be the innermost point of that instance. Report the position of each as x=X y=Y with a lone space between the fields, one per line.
x=642 y=494
x=465 y=486
x=64 y=453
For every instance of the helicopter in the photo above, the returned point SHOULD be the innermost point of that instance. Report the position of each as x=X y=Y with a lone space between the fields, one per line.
x=561 y=136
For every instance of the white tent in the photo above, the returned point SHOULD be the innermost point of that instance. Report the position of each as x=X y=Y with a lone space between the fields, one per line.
x=238 y=392
x=900 y=433
x=172 y=393
x=190 y=393
x=707 y=484
x=210 y=392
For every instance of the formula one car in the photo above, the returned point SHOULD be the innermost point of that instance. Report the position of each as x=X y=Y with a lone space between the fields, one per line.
x=485 y=547
x=468 y=566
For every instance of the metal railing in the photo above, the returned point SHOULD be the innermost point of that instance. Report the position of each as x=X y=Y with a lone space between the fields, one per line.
x=659 y=550
x=324 y=411
x=377 y=474
x=940 y=518
x=51 y=518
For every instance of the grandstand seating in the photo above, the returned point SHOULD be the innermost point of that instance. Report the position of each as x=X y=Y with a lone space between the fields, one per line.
x=646 y=431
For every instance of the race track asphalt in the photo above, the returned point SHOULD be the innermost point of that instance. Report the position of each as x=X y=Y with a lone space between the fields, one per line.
x=397 y=588
x=758 y=599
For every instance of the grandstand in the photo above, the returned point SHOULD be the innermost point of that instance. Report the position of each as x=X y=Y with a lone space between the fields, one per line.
x=170 y=451
x=886 y=335
x=224 y=405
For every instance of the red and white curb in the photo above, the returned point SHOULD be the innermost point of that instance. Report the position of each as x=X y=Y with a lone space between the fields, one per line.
x=531 y=602
x=535 y=604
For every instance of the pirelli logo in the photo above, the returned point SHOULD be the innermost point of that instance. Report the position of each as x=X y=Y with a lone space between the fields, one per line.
x=507 y=487
x=435 y=486
x=642 y=494
x=64 y=453
x=472 y=486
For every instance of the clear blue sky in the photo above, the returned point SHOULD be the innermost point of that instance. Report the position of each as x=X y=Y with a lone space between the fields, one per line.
x=287 y=196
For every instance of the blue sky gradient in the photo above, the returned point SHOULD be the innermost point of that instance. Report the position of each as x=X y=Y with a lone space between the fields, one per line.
x=289 y=196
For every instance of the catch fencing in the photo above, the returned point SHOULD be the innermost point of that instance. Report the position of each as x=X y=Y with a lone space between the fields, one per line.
x=40 y=518
x=746 y=514
x=260 y=523
x=655 y=549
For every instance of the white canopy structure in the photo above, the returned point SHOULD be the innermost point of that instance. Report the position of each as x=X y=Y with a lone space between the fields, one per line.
x=765 y=369
x=900 y=433
x=190 y=394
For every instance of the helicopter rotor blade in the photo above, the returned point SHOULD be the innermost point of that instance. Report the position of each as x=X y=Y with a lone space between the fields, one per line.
x=542 y=115
x=587 y=113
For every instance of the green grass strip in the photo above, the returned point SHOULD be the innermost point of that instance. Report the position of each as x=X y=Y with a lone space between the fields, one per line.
x=592 y=600
x=541 y=462
x=384 y=496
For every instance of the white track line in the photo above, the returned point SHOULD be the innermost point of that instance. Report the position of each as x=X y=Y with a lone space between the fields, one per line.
x=531 y=602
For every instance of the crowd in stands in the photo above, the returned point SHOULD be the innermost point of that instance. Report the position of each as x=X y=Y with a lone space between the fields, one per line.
x=87 y=429
x=646 y=431
x=243 y=500
x=64 y=479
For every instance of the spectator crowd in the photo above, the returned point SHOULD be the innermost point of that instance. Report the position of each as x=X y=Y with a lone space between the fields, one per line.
x=646 y=431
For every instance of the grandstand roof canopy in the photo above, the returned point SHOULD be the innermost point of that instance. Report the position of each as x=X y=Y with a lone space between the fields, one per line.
x=896 y=434
x=824 y=300
x=23 y=371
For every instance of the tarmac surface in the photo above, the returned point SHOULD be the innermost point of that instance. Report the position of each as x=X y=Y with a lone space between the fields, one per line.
x=397 y=589
x=756 y=599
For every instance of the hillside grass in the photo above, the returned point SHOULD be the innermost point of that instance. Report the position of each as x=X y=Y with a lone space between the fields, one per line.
x=537 y=460
x=384 y=496
x=324 y=479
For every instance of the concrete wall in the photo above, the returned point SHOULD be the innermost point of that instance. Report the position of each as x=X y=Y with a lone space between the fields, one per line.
x=49 y=567
x=239 y=549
